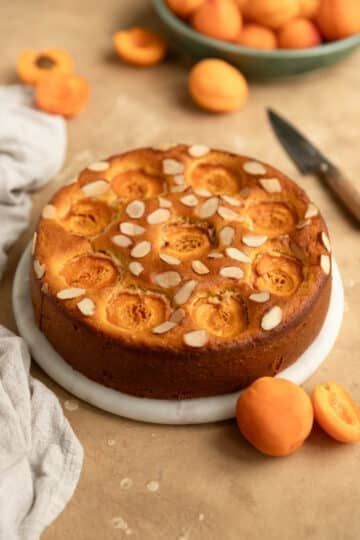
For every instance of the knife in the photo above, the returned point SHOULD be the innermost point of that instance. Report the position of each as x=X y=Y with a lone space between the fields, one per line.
x=309 y=160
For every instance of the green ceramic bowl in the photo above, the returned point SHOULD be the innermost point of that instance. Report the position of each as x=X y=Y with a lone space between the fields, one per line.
x=254 y=63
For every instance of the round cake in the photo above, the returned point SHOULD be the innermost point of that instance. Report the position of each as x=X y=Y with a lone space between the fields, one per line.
x=180 y=272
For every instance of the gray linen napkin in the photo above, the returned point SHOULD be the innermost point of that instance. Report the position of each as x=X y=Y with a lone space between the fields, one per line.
x=40 y=456
x=32 y=150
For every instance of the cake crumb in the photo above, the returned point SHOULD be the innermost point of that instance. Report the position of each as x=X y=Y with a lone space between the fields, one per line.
x=126 y=483
x=71 y=405
x=184 y=536
x=153 y=486
x=201 y=517
x=111 y=442
x=119 y=523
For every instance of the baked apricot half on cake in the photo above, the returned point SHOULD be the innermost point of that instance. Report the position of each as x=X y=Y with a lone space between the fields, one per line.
x=180 y=271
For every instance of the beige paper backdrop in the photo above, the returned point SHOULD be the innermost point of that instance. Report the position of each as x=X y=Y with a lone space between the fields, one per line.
x=210 y=484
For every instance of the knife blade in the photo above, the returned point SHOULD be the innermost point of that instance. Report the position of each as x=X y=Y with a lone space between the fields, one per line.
x=307 y=158
x=310 y=160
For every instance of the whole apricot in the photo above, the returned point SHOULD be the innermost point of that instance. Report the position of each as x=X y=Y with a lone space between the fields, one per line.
x=217 y=86
x=258 y=37
x=220 y=19
x=184 y=8
x=309 y=8
x=139 y=46
x=275 y=416
x=338 y=19
x=299 y=34
x=272 y=13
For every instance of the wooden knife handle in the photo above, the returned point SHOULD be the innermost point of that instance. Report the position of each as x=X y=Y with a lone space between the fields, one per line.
x=347 y=191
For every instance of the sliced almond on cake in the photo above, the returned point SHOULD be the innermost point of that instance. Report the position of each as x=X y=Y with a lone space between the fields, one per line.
x=179 y=189
x=172 y=166
x=39 y=269
x=228 y=214
x=141 y=249
x=271 y=185
x=189 y=200
x=326 y=241
x=237 y=255
x=202 y=192
x=136 y=268
x=49 y=211
x=232 y=272
x=161 y=215
x=272 y=318
x=253 y=240
x=325 y=264
x=231 y=200
x=253 y=167
x=199 y=267
x=96 y=189
x=99 y=166
x=132 y=229
x=121 y=240
x=135 y=209
x=164 y=147
x=71 y=292
x=226 y=235
x=208 y=208
x=166 y=280
x=196 y=338
x=164 y=203
x=169 y=259
x=179 y=179
x=86 y=306
x=215 y=255
x=311 y=211
x=164 y=327
x=184 y=293
x=198 y=150
x=260 y=297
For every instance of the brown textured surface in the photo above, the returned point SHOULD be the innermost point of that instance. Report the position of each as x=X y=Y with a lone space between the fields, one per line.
x=116 y=345
x=209 y=469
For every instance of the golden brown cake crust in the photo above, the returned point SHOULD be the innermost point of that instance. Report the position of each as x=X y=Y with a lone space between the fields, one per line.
x=180 y=272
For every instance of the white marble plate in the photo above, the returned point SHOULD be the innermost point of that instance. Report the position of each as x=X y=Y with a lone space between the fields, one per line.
x=190 y=411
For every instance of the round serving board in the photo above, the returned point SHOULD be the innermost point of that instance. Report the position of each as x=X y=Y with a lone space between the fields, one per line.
x=190 y=411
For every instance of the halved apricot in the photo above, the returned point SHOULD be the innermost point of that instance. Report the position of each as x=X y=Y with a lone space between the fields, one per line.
x=62 y=94
x=134 y=313
x=32 y=65
x=336 y=412
x=140 y=46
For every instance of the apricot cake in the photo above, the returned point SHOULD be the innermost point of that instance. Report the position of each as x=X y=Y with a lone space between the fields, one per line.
x=180 y=272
